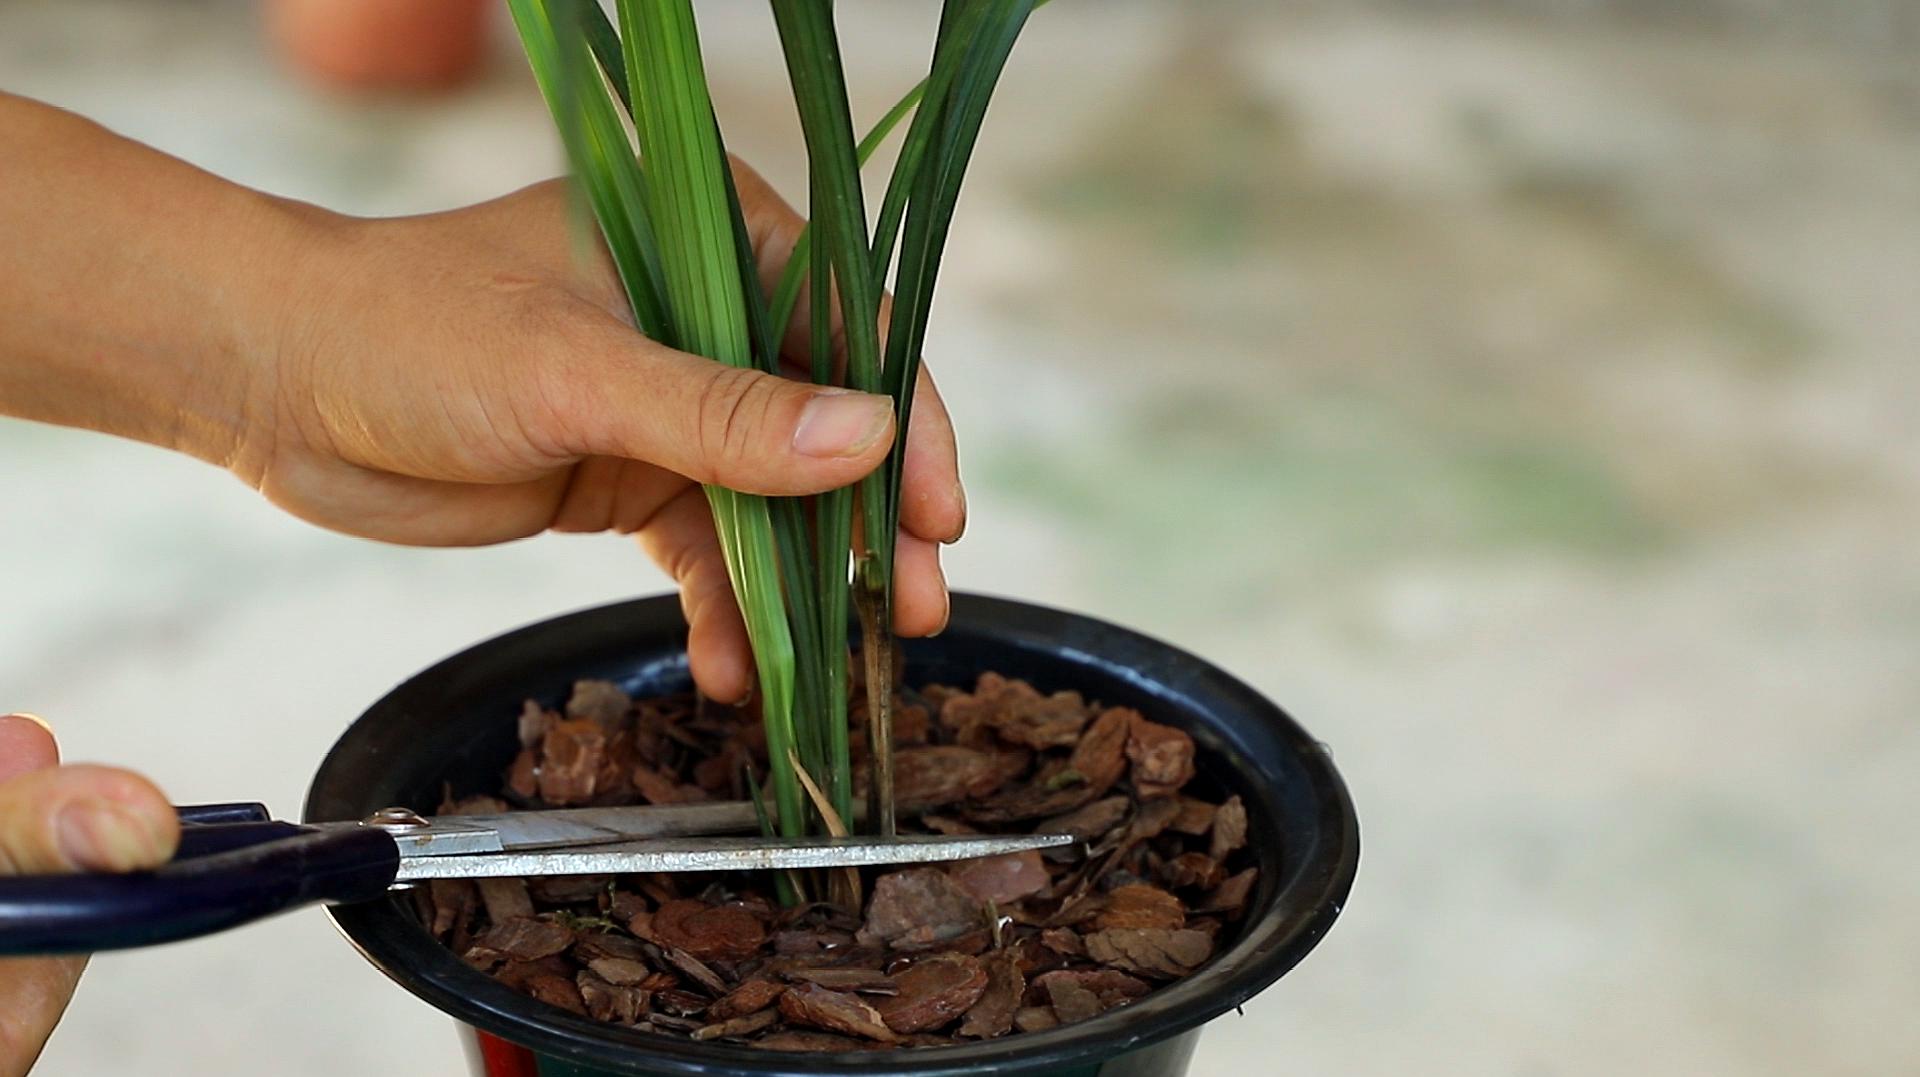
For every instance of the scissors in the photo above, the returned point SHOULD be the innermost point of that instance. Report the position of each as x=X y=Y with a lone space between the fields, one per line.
x=237 y=864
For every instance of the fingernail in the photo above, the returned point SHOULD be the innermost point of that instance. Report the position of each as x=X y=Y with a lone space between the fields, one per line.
x=840 y=422
x=98 y=835
x=34 y=718
x=960 y=494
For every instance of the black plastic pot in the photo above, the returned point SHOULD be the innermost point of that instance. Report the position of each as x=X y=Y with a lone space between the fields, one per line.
x=454 y=722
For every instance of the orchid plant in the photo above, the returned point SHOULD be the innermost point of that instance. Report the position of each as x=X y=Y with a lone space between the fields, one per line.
x=664 y=201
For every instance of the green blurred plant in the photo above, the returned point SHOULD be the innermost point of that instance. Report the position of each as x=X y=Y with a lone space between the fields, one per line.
x=674 y=226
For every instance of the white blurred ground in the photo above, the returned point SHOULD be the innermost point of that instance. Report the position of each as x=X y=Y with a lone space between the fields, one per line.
x=1525 y=405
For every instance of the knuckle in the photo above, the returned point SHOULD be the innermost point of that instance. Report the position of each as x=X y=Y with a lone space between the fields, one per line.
x=561 y=351
x=734 y=405
x=681 y=563
x=702 y=597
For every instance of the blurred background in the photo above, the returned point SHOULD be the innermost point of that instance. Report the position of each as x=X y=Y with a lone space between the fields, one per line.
x=1522 y=393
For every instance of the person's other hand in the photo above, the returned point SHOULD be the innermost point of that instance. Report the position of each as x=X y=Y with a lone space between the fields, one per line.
x=59 y=819
x=467 y=377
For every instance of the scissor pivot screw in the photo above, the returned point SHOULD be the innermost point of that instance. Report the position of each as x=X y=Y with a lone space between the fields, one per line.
x=396 y=819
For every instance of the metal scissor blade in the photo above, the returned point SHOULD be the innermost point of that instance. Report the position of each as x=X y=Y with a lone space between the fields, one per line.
x=722 y=854
x=566 y=827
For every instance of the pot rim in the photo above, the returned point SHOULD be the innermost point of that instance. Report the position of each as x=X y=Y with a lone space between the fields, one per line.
x=1269 y=941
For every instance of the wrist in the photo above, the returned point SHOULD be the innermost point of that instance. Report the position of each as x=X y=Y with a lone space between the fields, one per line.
x=273 y=304
x=139 y=296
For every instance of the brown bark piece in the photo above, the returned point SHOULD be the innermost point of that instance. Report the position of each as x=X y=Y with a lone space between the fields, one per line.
x=1071 y=1001
x=1063 y=941
x=809 y=941
x=1195 y=818
x=750 y=997
x=452 y=900
x=620 y=971
x=947 y=824
x=925 y=940
x=1229 y=829
x=534 y=721
x=601 y=702
x=1078 y=911
x=1231 y=896
x=658 y=1021
x=716 y=774
x=1162 y=758
x=571 y=755
x=708 y=932
x=933 y=993
x=624 y=905
x=1152 y=820
x=1027 y=718
x=1193 y=871
x=660 y=981
x=921 y=904
x=812 y=1042
x=992 y=1014
x=523 y=939
x=615 y=780
x=935 y=776
x=1035 y=1018
x=676 y=1001
x=523 y=776
x=1140 y=906
x=517 y=974
x=1014 y=711
x=1002 y=880
x=641 y=924
x=737 y=1027
x=960 y=711
x=556 y=990
x=1089 y=822
x=1111 y=986
x=656 y=787
x=696 y=970
x=477 y=804
x=505 y=899
x=1100 y=756
x=568 y=889
x=1156 y=952
x=1097 y=762
x=1035 y=958
x=598 y=944
x=911 y=723
x=859 y=981
x=606 y=1001
x=834 y=1011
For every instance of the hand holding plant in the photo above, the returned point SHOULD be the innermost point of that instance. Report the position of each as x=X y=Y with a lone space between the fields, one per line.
x=453 y=379
x=467 y=378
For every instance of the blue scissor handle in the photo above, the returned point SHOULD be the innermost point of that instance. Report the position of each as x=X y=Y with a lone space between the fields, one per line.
x=235 y=865
x=213 y=814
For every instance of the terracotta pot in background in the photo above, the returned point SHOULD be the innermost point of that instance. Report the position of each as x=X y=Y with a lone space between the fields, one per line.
x=405 y=45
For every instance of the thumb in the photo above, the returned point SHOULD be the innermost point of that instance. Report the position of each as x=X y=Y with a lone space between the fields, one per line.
x=84 y=818
x=713 y=423
x=79 y=818
x=63 y=819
